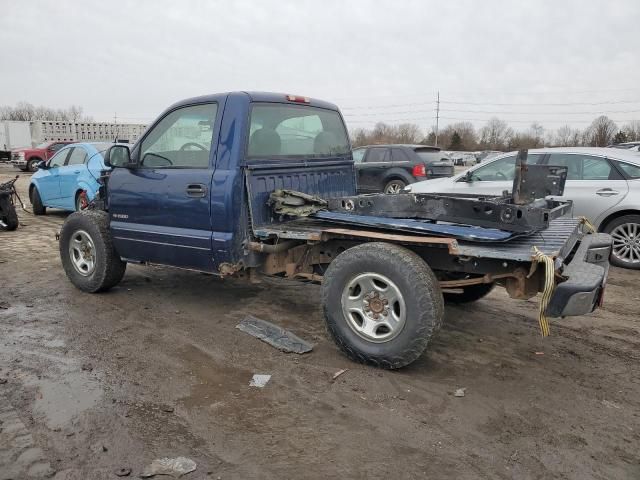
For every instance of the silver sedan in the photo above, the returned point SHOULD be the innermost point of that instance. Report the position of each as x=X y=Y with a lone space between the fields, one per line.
x=604 y=184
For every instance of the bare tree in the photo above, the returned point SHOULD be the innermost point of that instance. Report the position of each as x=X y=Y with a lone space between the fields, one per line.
x=495 y=134
x=24 y=111
x=408 y=133
x=601 y=131
x=632 y=130
x=383 y=133
x=566 y=137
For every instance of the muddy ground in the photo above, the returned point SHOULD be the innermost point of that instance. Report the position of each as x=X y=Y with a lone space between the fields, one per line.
x=155 y=368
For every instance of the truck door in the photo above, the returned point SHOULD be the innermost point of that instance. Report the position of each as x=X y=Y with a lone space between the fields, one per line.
x=160 y=210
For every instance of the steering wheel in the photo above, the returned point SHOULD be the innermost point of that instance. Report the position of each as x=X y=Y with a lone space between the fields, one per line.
x=501 y=176
x=192 y=144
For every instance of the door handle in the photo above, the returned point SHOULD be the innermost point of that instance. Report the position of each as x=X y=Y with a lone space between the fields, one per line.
x=607 y=192
x=76 y=171
x=196 y=190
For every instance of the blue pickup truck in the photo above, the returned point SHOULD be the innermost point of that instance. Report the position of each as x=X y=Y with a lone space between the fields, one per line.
x=194 y=192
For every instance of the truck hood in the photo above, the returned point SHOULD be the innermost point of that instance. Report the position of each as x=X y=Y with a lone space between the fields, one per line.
x=27 y=150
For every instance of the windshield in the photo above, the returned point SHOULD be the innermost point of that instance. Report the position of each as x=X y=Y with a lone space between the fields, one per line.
x=43 y=145
x=283 y=131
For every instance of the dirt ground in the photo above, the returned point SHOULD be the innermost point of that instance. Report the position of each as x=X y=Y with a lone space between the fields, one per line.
x=90 y=384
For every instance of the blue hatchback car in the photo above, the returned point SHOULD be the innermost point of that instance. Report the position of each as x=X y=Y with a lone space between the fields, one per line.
x=60 y=182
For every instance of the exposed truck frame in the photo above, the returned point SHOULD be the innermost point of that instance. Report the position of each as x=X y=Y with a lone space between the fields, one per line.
x=383 y=286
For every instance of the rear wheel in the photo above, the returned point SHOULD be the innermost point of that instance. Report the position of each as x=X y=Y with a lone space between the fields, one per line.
x=625 y=232
x=36 y=202
x=81 y=201
x=382 y=304
x=87 y=253
x=394 y=186
x=8 y=215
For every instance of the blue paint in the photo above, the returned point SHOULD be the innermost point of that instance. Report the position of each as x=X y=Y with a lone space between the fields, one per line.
x=58 y=186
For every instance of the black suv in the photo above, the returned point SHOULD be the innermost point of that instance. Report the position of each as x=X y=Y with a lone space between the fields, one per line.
x=389 y=168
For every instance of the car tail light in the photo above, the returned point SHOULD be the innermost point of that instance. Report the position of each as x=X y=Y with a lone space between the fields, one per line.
x=419 y=170
x=298 y=99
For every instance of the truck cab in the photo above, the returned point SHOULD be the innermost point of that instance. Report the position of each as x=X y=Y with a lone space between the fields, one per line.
x=184 y=202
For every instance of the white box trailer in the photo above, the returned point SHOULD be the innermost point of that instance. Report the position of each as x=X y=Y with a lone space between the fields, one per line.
x=13 y=134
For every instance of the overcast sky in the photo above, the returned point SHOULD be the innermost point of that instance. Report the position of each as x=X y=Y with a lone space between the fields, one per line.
x=544 y=61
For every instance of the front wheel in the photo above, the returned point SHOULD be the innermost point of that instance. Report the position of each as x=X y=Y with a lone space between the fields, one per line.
x=625 y=232
x=87 y=253
x=8 y=214
x=382 y=304
x=394 y=187
x=36 y=202
x=32 y=165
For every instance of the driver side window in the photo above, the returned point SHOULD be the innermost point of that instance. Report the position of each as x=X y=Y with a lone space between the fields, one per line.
x=59 y=159
x=182 y=139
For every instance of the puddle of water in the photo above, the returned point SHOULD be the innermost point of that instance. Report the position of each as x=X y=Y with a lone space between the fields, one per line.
x=63 y=398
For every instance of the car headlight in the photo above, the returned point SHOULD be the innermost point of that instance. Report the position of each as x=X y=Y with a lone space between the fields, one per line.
x=21 y=155
x=407 y=189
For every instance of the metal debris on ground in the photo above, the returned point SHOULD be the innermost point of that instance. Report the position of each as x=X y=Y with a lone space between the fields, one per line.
x=259 y=380
x=274 y=335
x=122 y=472
x=459 y=392
x=176 y=467
x=338 y=373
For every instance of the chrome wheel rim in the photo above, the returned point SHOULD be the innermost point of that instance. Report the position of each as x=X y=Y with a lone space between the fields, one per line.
x=626 y=242
x=393 y=188
x=374 y=307
x=82 y=252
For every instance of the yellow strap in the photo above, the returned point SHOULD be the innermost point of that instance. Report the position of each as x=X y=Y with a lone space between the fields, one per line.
x=589 y=226
x=549 y=283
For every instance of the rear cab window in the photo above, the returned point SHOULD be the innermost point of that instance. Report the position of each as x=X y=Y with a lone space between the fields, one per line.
x=295 y=131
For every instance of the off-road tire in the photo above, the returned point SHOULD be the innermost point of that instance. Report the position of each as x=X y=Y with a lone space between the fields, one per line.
x=8 y=215
x=36 y=202
x=400 y=185
x=31 y=165
x=109 y=268
x=610 y=227
x=419 y=288
x=469 y=294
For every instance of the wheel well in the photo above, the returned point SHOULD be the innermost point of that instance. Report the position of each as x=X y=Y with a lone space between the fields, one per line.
x=613 y=216
x=34 y=158
x=395 y=176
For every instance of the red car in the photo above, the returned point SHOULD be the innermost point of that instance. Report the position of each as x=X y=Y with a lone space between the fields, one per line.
x=28 y=158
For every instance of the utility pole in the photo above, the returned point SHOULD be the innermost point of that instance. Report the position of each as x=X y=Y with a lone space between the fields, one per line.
x=437 y=115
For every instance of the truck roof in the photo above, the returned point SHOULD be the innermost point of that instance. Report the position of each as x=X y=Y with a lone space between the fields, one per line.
x=269 y=97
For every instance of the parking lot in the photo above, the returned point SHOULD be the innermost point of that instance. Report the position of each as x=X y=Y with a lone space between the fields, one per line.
x=90 y=384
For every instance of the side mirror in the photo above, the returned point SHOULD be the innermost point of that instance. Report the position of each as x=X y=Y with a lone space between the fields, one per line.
x=41 y=165
x=468 y=177
x=118 y=156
